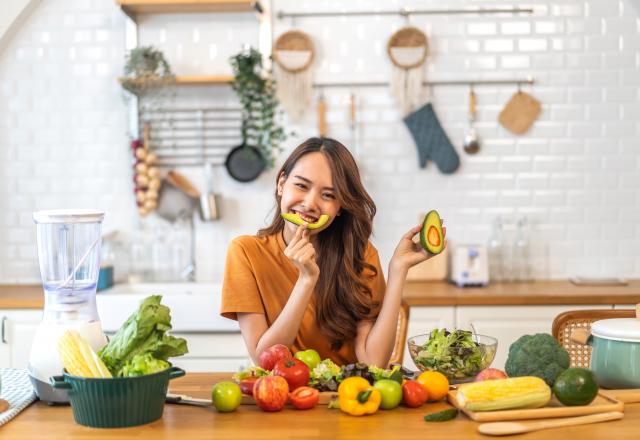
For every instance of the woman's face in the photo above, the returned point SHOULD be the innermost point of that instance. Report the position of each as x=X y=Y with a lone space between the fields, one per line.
x=309 y=191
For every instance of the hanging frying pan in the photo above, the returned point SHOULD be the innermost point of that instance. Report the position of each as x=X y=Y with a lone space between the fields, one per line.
x=245 y=163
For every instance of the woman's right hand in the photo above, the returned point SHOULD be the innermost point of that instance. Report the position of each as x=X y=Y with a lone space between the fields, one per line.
x=303 y=255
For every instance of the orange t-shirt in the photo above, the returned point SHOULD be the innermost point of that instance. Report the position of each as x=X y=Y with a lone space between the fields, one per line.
x=258 y=278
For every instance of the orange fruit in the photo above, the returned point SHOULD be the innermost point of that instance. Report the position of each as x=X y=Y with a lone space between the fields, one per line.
x=436 y=384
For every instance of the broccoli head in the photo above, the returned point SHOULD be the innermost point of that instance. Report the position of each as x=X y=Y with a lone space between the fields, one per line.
x=537 y=355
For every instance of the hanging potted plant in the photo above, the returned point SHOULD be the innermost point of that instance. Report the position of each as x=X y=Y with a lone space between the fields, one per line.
x=146 y=69
x=260 y=129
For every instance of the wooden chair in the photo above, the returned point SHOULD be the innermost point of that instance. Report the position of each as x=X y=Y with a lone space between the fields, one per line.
x=401 y=334
x=565 y=323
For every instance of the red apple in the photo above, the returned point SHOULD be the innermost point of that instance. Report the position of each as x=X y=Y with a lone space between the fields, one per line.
x=270 y=356
x=271 y=393
x=490 y=374
x=246 y=385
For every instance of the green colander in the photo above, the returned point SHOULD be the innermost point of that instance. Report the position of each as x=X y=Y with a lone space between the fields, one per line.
x=117 y=402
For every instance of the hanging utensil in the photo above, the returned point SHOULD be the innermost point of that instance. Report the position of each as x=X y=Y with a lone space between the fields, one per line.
x=353 y=125
x=322 y=116
x=209 y=200
x=471 y=140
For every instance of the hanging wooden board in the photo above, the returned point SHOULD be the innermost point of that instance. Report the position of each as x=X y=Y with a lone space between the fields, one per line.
x=520 y=112
x=554 y=408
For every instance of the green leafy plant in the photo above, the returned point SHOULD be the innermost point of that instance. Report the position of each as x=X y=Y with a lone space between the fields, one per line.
x=257 y=93
x=146 y=60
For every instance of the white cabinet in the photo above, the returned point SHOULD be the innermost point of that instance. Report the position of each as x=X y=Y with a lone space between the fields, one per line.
x=508 y=323
x=213 y=352
x=424 y=319
x=17 y=329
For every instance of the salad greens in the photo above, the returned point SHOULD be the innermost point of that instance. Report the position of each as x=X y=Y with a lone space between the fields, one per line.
x=249 y=373
x=142 y=340
x=326 y=376
x=454 y=353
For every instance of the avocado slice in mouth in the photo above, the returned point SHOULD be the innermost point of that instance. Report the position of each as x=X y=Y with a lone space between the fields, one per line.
x=297 y=220
x=431 y=236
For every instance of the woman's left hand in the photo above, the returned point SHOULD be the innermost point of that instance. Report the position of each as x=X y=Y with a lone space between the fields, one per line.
x=409 y=253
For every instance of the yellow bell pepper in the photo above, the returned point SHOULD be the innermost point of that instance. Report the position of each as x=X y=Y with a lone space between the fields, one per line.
x=357 y=397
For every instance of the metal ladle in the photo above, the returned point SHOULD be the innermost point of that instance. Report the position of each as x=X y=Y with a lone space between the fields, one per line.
x=471 y=140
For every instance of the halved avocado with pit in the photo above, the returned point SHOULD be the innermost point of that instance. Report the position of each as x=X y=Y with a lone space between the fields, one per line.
x=431 y=236
x=297 y=220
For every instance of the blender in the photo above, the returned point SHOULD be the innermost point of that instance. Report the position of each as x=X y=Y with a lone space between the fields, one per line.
x=69 y=255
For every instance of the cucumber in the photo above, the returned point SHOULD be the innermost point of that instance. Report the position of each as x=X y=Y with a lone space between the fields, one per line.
x=442 y=416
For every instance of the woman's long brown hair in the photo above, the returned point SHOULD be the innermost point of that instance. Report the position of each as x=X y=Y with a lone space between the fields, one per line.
x=342 y=296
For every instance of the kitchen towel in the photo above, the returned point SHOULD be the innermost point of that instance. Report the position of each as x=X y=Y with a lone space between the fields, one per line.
x=431 y=140
x=17 y=390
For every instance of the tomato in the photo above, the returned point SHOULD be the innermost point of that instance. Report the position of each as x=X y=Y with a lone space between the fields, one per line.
x=294 y=371
x=414 y=394
x=304 y=397
x=391 y=393
x=271 y=393
x=270 y=356
x=246 y=385
x=226 y=396
x=309 y=357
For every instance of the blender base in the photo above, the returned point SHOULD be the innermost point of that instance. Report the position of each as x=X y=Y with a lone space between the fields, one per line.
x=47 y=393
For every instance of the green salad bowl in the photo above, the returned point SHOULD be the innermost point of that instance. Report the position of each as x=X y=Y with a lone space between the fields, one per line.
x=117 y=402
x=452 y=362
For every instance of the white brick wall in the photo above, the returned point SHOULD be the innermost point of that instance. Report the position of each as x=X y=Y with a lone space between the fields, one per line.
x=576 y=174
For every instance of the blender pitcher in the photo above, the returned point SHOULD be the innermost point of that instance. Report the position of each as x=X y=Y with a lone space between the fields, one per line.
x=69 y=255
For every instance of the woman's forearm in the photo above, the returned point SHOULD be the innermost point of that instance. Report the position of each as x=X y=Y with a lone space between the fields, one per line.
x=285 y=328
x=381 y=339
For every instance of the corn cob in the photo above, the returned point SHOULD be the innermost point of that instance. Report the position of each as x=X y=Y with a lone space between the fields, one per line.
x=512 y=393
x=78 y=358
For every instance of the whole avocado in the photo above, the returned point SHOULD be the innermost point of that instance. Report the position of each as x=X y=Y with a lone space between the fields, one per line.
x=537 y=355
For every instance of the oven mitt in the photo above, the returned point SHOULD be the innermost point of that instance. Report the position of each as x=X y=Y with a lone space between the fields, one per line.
x=431 y=140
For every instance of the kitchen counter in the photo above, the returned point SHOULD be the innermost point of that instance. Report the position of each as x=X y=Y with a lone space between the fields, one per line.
x=434 y=293
x=249 y=422
x=547 y=292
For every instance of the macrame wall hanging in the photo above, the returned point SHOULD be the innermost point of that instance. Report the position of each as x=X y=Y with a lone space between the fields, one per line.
x=408 y=49
x=293 y=53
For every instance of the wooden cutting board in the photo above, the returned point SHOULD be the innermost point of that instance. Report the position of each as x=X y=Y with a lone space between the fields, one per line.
x=325 y=398
x=601 y=404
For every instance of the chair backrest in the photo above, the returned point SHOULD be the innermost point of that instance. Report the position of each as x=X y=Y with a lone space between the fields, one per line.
x=401 y=334
x=564 y=323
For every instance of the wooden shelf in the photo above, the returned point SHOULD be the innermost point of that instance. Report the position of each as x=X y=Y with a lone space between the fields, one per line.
x=138 y=85
x=134 y=7
x=204 y=80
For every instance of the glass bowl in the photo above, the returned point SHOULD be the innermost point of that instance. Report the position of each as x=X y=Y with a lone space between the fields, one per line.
x=455 y=362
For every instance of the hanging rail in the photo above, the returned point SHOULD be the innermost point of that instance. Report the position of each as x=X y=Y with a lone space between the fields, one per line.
x=405 y=12
x=453 y=82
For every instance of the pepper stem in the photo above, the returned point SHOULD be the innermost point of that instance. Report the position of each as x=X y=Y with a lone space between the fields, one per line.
x=363 y=396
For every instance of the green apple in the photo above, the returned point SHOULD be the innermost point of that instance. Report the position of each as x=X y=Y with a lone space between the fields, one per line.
x=309 y=357
x=391 y=392
x=226 y=396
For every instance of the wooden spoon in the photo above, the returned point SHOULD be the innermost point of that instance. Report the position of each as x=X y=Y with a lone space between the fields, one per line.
x=508 y=428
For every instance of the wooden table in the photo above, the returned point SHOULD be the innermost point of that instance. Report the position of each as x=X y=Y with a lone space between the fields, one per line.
x=181 y=422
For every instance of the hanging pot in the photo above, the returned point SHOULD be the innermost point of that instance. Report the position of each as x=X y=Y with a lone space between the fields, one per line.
x=615 y=355
x=245 y=163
